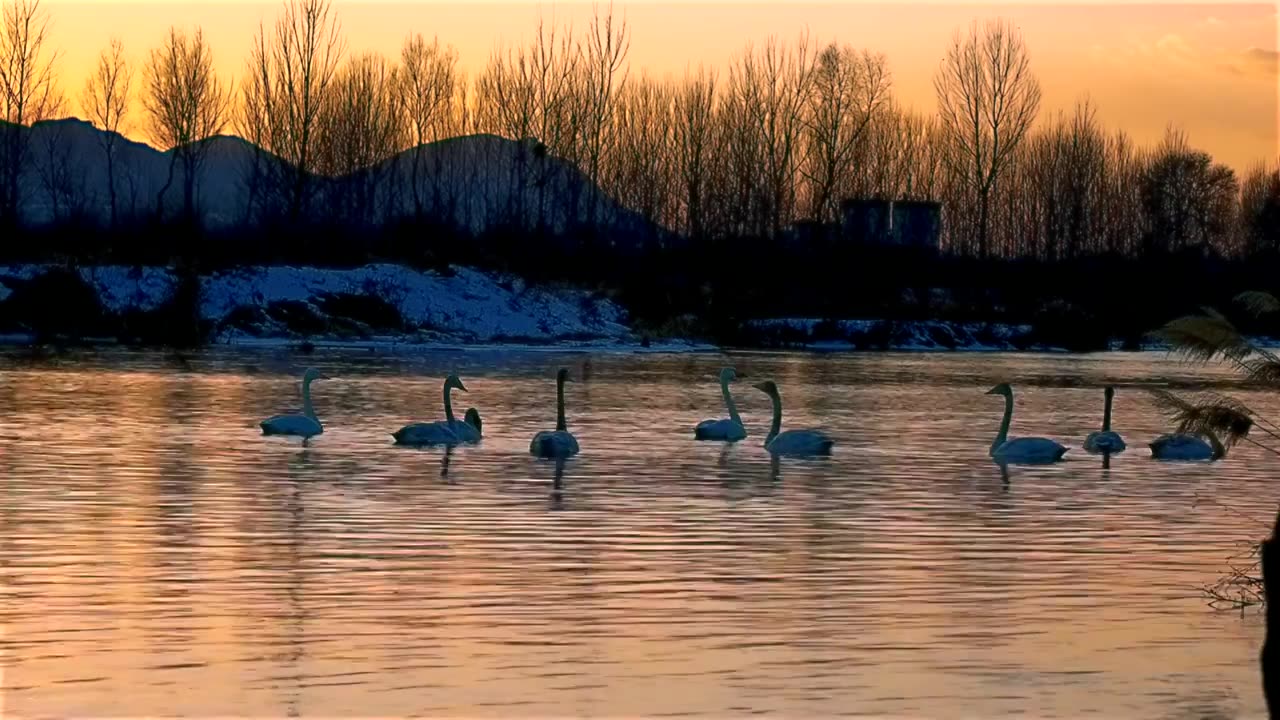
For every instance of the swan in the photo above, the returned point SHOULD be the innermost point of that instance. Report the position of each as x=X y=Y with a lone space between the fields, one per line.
x=1105 y=441
x=791 y=442
x=731 y=429
x=306 y=425
x=558 y=443
x=1186 y=446
x=472 y=418
x=449 y=431
x=1031 y=450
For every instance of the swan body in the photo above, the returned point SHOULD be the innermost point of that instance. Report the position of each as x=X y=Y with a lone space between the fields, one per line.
x=796 y=443
x=1026 y=451
x=558 y=443
x=729 y=429
x=305 y=425
x=1105 y=441
x=1185 y=446
x=449 y=431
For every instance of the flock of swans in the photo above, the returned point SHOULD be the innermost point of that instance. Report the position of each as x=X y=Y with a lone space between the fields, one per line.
x=560 y=443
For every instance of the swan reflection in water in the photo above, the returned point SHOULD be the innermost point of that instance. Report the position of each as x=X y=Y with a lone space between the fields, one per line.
x=557 y=486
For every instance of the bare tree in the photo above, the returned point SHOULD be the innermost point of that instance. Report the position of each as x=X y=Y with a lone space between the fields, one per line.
x=987 y=101
x=427 y=90
x=185 y=105
x=1260 y=209
x=693 y=135
x=1190 y=201
x=605 y=75
x=360 y=128
x=849 y=90
x=771 y=87
x=105 y=101
x=292 y=72
x=639 y=163
x=527 y=94
x=28 y=93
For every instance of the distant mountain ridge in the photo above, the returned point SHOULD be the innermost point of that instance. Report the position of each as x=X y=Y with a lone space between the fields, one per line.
x=476 y=183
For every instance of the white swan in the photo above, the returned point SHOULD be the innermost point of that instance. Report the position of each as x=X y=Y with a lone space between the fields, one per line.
x=306 y=425
x=558 y=443
x=1031 y=450
x=1186 y=446
x=449 y=431
x=792 y=442
x=1105 y=441
x=730 y=429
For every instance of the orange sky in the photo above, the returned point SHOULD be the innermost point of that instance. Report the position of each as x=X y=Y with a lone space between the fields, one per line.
x=1209 y=68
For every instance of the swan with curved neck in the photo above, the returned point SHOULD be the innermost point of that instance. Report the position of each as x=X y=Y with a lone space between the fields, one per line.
x=797 y=443
x=1105 y=441
x=730 y=429
x=306 y=425
x=1029 y=450
x=450 y=431
x=558 y=443
x=1187 y=446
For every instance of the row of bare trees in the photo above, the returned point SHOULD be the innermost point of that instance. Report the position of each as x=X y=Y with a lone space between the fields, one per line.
x=783 y=135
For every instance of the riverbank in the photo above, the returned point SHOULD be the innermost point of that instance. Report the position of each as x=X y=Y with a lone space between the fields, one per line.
x=386 y=307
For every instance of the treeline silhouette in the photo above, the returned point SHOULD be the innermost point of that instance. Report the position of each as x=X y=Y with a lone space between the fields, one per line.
x=1044 y=216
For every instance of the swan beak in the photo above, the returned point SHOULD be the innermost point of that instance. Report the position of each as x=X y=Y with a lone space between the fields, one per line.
x=462 y=387
x=322 y=376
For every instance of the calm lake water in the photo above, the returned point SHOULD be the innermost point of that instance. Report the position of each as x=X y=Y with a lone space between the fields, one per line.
x=160 y=557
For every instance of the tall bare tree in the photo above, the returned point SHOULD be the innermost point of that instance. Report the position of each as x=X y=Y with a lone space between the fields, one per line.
x=771 y=87
x=427 y=89
x=186 y=105
x=987 y=101
x=28 y=93
x=849 y=90
x=604 y=77
x=291 y=73
x=360 y=128
x=693 y=134
x=105 y=100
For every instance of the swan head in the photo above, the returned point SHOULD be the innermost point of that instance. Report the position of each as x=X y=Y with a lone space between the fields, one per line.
x=727 y=375
x=1001 y=389
x=472 y=418
x=454 y=381
x=768 y=387
x=563 y=376
x=1109 y=391
x=313 y=374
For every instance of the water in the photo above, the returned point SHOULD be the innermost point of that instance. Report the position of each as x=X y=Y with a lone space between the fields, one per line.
x=162 y=558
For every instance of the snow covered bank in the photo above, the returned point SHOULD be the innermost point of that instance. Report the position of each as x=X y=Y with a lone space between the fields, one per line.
x=380 y=303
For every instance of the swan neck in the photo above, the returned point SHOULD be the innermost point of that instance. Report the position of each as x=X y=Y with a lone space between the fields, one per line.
x=1003 y=435
x=561 y=425
x=1218 y=450
x=776 y=426
x=307 y=408
x=1106 y=416
x=448 y=403
x=728 y=402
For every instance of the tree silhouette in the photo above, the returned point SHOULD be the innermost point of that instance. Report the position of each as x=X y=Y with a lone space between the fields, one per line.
x=290 y=75
x=185 y=105
x=28 y=94
x=987 y=101
x=105 y=100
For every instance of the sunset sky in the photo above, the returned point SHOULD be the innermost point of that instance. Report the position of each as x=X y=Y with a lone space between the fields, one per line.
x=1209 y=68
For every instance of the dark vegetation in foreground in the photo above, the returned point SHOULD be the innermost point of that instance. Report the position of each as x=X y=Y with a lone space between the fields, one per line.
x=706 y=290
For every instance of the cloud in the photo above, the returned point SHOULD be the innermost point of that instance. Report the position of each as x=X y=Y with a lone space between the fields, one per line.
x=1264 y=61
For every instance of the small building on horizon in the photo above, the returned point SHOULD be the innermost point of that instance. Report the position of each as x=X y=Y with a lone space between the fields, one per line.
x=905 y=223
